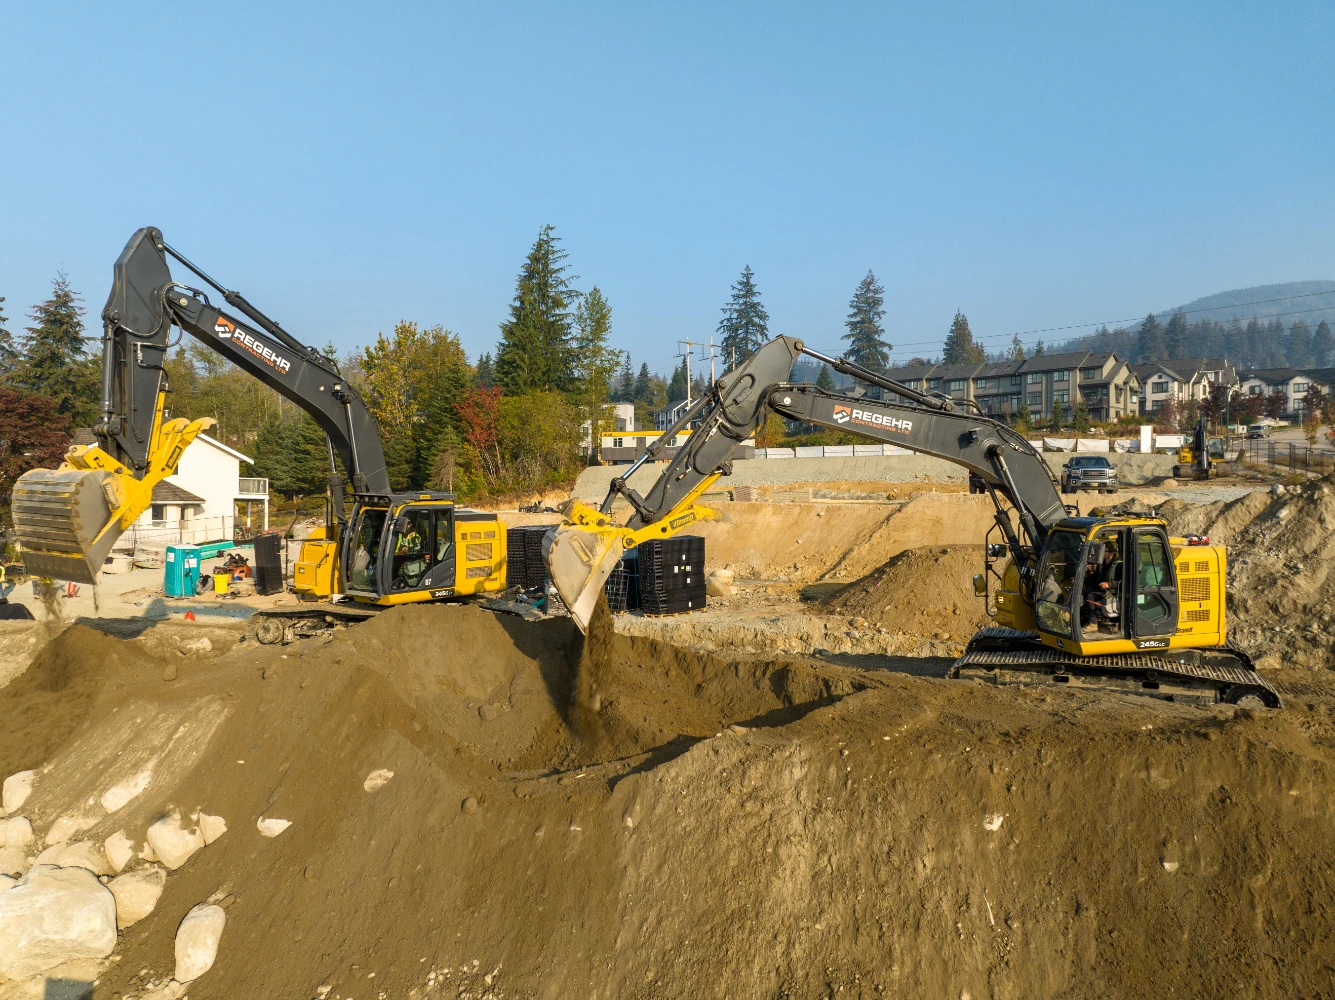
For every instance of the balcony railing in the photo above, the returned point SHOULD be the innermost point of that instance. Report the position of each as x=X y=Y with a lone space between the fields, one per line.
x=253 y=486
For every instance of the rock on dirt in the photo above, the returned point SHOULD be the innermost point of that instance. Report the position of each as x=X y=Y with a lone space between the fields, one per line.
x=16 y=790
x=137 y=893
x=172 y=842
x=197 y=941
x=271 y=826
x=16 y=832
x=54 y=915
x=77 y=855
x=119 y=849
x=211 y=827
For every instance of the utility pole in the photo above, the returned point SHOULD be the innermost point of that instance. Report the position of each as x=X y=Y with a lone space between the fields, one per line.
x=712 y=348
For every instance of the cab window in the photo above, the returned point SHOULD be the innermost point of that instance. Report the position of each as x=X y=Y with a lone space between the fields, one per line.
x=1154 y=585
x=366 y=551
x=1101 y=591
x=410 y=550
x=1056 y=581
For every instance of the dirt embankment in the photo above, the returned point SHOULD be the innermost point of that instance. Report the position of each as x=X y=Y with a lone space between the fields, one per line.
x=923 y=591
x=628 y=819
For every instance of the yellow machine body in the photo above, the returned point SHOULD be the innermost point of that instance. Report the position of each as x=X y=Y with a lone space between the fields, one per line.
x=415 y=548
x=1171 y=576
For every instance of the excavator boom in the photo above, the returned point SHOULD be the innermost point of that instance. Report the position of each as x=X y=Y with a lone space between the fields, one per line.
x=68 y=519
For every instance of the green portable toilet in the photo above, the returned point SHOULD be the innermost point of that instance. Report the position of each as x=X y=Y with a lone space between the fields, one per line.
x=182 y=574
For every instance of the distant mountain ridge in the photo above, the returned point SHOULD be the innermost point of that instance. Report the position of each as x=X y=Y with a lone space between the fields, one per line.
x=1317 y=303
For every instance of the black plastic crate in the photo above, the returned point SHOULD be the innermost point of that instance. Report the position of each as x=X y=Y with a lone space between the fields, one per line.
x=623 y=585
x=268 y=564
x=523 y=556
x=674 y=602
x=672 y=575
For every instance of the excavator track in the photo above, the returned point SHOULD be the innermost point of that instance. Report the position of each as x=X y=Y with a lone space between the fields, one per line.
x=1193 y=676
x=279 y=626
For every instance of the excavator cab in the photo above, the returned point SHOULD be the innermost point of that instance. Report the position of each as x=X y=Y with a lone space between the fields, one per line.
x=421 y=547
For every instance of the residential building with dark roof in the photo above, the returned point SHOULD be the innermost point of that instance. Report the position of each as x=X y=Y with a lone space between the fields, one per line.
x=1294 y=383
x=1182 y=380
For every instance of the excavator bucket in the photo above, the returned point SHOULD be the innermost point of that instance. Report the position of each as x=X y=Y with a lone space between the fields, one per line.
x=579 y=560
x=59 y=517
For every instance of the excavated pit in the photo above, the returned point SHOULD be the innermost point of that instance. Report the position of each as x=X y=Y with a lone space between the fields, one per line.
x=622 y=818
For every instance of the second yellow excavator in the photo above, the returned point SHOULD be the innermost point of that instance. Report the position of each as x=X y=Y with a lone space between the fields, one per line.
x=1109 y=601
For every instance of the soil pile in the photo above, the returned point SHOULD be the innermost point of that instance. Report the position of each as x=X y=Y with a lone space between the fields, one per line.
x=624 y=819
x=923 y=591
x=1281 y=569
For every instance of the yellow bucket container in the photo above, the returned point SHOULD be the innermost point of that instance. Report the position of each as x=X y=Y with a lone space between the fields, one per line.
x=220 y=582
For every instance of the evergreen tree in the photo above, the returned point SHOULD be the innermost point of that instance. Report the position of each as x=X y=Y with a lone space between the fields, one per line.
x=1255 y=344
x=680 y=379
x=485 y=375
x=534 y=354
x=1300 y=345
x=745 y=323
x=961 y=348
x=596 y=362
x=825 y=380
x=867 y=345
x=54 y=364
x=1275 y=341
x=9 y=357
x=1175 y=336
x=643 y=391
x=1149 y=344
x=1016 y=352
x=1323 y=346
x=624 y=391
x=291 y=451
x=1040 y=348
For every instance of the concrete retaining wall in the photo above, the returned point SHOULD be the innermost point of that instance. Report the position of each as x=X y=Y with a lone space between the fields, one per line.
x=1134 y=470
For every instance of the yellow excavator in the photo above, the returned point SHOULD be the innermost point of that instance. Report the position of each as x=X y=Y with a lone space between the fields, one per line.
x=1107 y=601
x=392 y=548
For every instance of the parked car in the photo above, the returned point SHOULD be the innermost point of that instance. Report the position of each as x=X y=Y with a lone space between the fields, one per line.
x=1089 y=472
x=1258 y=431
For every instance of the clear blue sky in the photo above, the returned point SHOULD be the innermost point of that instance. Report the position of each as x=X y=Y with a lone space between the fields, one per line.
x=346 y=165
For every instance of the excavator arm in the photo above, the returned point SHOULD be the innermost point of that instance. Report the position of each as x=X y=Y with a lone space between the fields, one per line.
x=68 y=519
x=582 y=552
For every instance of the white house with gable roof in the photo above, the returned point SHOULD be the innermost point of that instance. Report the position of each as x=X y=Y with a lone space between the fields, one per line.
x=198 y=504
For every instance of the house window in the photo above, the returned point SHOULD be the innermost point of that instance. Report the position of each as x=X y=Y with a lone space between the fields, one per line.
x=1015 y=380
x=1035 y=378
x=1160 y=387
x=1253 y=390
x=980 y=383
x=1035 y=399
x=1090 y=374
x=956 y=384
x=1300 y=387
x=1117 y=390
x=618 y=442
x=1156 y=404
x=933 y=383
x=1061 y=376
x=1064 y=396
x=1298 y=405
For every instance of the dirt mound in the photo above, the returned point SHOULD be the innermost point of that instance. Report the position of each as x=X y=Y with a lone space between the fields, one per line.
x=1281 y=569
x=922 y=591
x=568 y=818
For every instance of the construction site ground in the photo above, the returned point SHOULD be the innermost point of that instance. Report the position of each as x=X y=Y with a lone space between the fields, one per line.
x=780 y=796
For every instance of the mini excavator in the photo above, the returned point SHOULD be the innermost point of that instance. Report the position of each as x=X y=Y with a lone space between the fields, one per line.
x=393 y=548
x=1108 y=601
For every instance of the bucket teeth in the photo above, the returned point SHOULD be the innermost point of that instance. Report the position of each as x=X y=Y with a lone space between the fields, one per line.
x=57 y=515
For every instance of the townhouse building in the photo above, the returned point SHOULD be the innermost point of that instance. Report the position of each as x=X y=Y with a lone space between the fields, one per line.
x=1181 y=380
x=1294 y=383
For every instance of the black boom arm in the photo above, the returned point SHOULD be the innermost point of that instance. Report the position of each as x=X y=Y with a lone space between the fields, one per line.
x=145 y=303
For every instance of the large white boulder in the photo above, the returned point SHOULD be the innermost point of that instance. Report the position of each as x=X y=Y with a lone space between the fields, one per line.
x=211 y=827
x=13 y=861
x=17 y=832
x=52 y=916
x=197 y=941
x=137 y=893
x=172 y=843
x=16 y=790
x=70 y=825
x=79 y=855
x=120 y=849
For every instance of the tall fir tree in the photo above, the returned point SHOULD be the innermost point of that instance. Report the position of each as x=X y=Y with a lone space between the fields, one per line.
x=867 y=345
x=825 y=380
x=1175 y=336
x=1300 y=345
x=1040 y=347
x=643 y=391
x=485 y=373
x=1276 y=339
x=54 y=363
x=960 y=347
x=535 y=349
x=1323 y=346
x=1149 y=341
x=745 y=323
x=596 y=363
x=1016 y=352
x=625 y=381
x=9 y=356
x=680 y=379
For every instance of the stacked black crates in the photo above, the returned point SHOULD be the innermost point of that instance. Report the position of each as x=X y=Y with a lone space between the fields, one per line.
x=623 y=586
x=523 y=556
x=268 y=564
x=671 y=575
